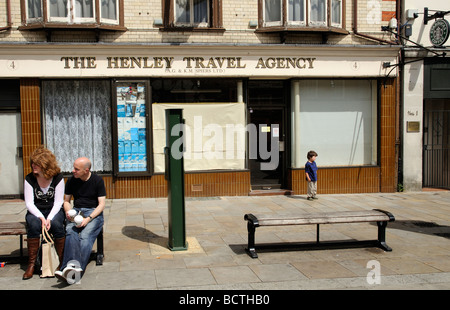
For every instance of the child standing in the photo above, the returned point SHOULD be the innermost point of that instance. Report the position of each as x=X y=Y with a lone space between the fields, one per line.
x=311 y=175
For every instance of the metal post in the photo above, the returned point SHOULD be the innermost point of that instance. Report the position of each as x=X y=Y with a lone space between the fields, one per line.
x=317 y=234
x=175 y=179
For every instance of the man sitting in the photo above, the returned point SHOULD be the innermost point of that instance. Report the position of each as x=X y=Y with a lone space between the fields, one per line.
x=89 y=195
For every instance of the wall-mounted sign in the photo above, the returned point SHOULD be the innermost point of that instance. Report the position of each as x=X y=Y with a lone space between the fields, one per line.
x=168 y=62
x=413 y=126
x=439 y=32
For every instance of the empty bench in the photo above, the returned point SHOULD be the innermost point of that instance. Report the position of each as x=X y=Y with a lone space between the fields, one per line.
x=379 y=216
x=19 y=228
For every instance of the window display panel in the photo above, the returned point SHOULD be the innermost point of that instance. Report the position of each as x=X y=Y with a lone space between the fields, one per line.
x=338 y=120
x=132 y=124
x=215 y=135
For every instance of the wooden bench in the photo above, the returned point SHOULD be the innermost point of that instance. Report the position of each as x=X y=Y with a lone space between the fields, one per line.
x=19 y=228
x=379 y=216
x=14 y=228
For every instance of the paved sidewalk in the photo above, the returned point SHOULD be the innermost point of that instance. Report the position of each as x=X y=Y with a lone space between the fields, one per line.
x=137 y=257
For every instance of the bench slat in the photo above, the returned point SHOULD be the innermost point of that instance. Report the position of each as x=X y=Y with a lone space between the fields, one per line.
x=325 y=218
x=13 y=228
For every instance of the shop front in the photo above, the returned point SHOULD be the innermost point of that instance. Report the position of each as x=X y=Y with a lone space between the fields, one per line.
x=436 y=123
x=251 y=114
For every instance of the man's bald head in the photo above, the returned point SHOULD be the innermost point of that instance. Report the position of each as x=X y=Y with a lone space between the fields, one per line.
x=84 y=162
x=82 y=168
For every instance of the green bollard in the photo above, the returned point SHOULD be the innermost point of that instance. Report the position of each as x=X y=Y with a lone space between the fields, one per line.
x=174 y=174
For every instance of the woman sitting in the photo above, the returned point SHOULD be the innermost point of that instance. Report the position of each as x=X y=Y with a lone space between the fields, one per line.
x=44 y=196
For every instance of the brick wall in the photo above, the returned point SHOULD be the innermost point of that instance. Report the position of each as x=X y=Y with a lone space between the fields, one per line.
x=139 y=17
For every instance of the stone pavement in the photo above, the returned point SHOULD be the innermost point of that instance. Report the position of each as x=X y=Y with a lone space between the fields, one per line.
x=137 y=257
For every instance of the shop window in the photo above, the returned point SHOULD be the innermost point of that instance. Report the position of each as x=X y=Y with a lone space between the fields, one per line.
x=215 y=119
x=77 y=116
x=72 y=14
x=132 y=125
x=193 y=14
x=298 y=14
x=338 y=120
x=194 y=90
x=10 y=98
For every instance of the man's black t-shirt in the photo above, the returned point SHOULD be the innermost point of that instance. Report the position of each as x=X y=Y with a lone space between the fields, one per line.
x=85 y=193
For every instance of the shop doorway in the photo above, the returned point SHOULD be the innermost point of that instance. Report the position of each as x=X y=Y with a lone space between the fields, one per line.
x=266 y=169
x=436 y=143
x=11 y=166
x=267 y=115
x=11 y=161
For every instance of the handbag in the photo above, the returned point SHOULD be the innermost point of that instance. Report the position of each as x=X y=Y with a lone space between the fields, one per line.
x=50 y=259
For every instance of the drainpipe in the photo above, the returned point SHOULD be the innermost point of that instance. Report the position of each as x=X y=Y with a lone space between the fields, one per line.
x=355 y=23
x=8 y=17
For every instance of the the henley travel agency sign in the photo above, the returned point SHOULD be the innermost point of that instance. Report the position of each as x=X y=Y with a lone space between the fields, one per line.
x=188 y=66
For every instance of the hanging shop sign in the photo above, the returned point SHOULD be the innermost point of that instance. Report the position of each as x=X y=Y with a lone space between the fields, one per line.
x=439 y=32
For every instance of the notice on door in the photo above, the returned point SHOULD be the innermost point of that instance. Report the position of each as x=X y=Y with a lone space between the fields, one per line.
x=276 y=132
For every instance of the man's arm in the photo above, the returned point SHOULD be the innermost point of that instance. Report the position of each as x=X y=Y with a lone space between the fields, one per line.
x=99 y=209
x=67 y=205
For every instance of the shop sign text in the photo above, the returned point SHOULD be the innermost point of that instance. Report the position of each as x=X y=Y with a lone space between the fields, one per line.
x=187 y=64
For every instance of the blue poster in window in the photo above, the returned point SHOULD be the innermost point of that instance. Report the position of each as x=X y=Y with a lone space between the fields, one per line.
x=131 y=127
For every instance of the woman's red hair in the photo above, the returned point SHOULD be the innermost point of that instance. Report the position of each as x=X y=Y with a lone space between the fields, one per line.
x=45 y=159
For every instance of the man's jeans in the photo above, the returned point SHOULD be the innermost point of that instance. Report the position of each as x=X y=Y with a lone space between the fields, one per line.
x=79 y=241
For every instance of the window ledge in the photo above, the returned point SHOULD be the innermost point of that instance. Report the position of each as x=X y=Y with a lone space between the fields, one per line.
x=65 y=26
x=191 y=29
x=304 y=29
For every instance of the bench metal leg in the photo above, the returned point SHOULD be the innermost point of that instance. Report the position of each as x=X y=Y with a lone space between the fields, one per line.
x=21 y=247
x=382 y=236
x=100 y=254
x=317 y=234
x=251 y=240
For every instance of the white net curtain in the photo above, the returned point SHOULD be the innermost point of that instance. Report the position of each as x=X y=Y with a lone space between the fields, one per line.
x=77 y=117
